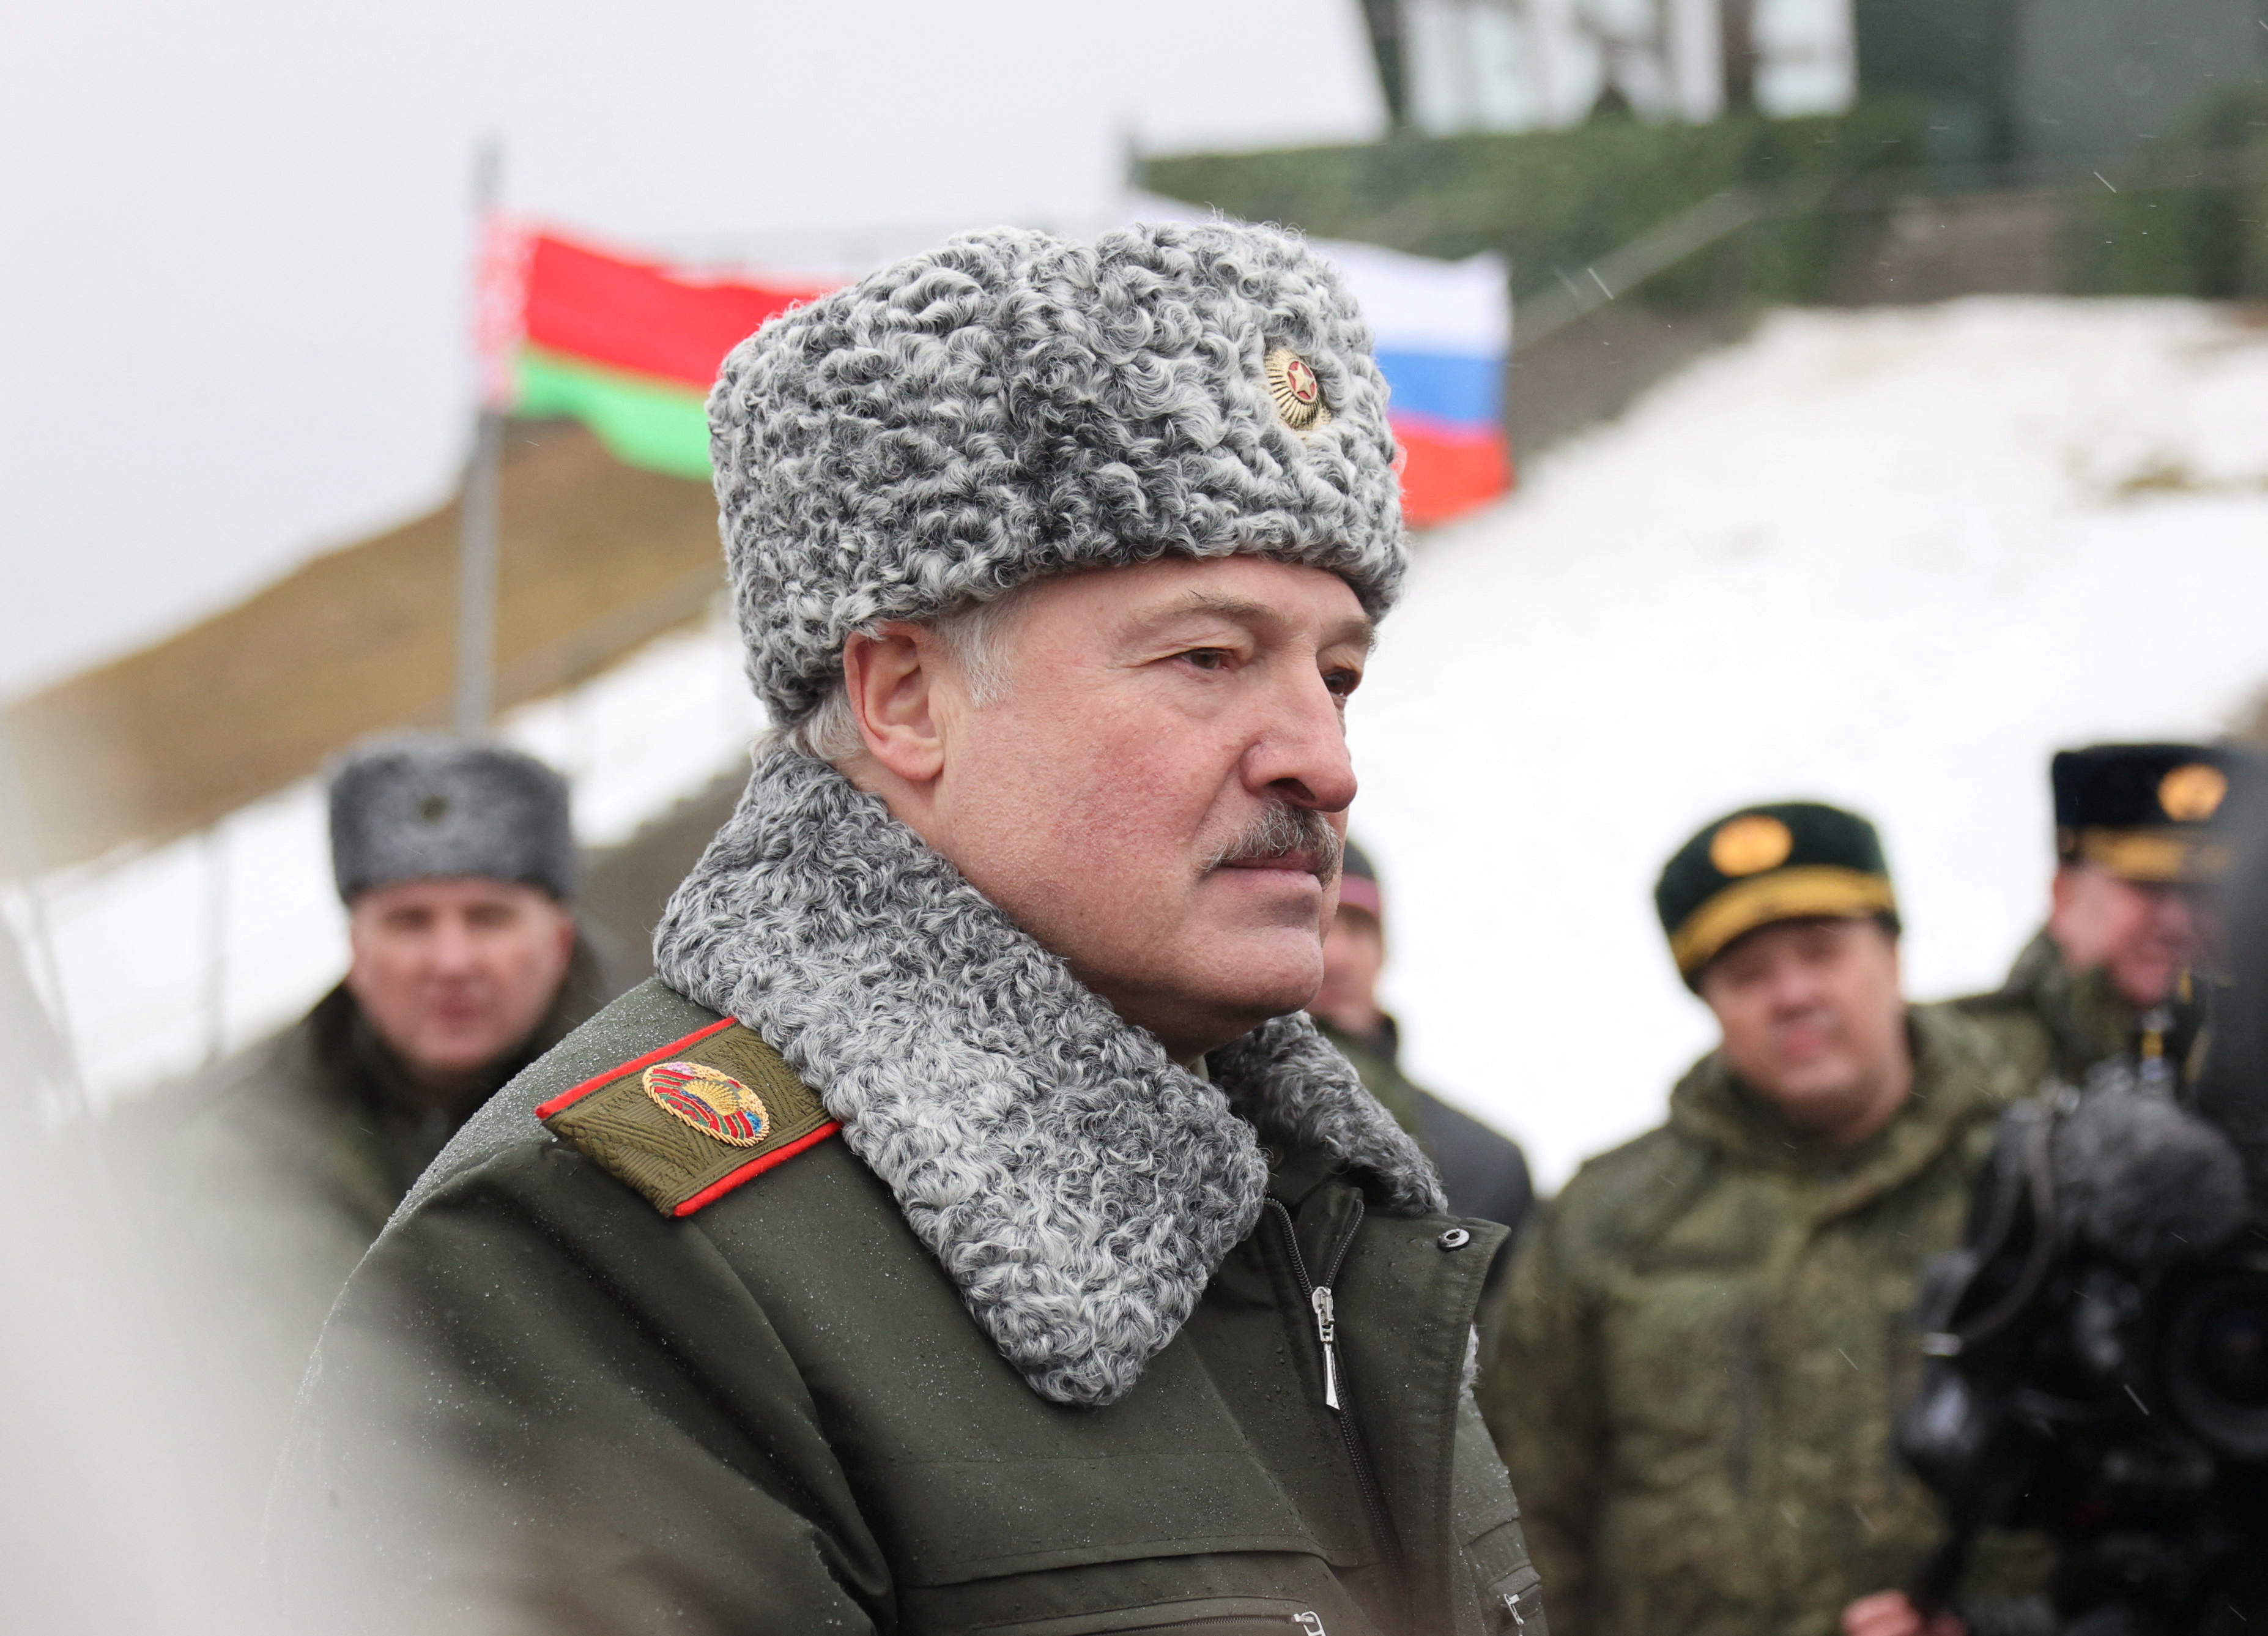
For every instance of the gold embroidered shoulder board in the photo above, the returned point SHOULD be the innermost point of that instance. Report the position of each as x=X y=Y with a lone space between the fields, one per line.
x=688 y=1122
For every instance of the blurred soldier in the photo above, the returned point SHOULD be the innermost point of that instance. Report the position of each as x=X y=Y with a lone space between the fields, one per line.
x=1485 y=1175
x=1703 y=1340
x=2140 y=833
x=966 y=1229
x=456 y=864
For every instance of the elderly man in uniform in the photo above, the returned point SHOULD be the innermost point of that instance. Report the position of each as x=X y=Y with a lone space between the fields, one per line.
x=2140 y=835
x=1704 y=1341
x=966 y=1229
x=1485 y=1173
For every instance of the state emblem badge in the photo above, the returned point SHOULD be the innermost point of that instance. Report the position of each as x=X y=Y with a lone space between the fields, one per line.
x=1750 y=845
x=714 y=1103
x=682 y=1126
x=2192 y=793
x=1298 y=396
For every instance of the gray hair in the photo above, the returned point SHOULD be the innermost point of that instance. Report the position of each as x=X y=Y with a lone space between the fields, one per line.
x=974 y=635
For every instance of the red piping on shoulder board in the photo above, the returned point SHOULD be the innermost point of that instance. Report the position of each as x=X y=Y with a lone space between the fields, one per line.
x=568 y=1098
x=754 y=1167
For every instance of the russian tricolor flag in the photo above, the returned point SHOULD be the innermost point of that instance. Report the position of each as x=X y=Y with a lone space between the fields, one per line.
x=1442 y=331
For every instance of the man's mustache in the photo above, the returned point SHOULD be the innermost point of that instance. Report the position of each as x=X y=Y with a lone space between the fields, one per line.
x=1280 y=831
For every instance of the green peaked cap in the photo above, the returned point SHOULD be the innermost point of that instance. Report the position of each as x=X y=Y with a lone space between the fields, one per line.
x=1785 y=860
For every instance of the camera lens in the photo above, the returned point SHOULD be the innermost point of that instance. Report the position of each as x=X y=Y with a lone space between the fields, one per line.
x=2217 y=1361
x=2232 y=1349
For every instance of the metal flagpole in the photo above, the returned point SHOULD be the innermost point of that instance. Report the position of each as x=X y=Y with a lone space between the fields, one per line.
x=477 y=524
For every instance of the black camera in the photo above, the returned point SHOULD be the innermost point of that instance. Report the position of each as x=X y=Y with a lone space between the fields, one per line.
x=2096 y=1353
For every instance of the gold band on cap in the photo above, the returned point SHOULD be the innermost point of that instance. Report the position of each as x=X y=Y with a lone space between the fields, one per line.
x=1807 y=891
x=2155 y=857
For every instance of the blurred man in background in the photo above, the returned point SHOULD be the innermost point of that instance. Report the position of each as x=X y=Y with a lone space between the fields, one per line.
x=2141 y=832
x=1702 y=1344
x=457 y=866
x=1485 y=1173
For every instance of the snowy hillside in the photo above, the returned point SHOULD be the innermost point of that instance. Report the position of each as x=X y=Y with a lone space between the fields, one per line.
x=214 y=941
x=1891 y=558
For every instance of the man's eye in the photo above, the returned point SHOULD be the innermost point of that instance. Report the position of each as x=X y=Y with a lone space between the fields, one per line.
x=1343 y=681
x=1208 y=658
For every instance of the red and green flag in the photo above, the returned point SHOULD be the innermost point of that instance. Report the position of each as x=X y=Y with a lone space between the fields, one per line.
x=627 y=346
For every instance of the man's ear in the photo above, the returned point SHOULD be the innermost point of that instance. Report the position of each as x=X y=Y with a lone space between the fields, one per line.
x=2061 y=890
x=890 y=680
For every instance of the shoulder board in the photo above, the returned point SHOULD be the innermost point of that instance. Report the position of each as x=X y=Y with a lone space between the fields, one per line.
x=688 y=1122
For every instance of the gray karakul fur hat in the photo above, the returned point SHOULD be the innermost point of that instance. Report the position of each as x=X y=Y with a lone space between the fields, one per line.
x=414 y=808
x=1012 y=405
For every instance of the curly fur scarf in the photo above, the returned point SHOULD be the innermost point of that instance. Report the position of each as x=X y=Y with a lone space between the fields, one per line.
x=1079 y=1188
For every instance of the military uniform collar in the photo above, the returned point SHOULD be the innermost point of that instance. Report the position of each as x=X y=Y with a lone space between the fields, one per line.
x=1079 y=1187
x=1293 y=1175
x=1711 y=1107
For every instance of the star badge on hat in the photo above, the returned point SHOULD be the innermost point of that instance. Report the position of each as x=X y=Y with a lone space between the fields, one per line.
x=1750 y=845
x=2193 y=791
x=714 y=1103
x=1298 y=396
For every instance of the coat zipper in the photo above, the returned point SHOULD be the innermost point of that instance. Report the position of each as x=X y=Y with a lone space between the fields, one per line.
x=1322 y=1303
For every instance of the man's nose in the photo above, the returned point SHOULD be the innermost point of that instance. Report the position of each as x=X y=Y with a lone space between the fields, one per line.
x=1301 y=754
x=453 y=949
x=2175 y=917
x=1795 y=988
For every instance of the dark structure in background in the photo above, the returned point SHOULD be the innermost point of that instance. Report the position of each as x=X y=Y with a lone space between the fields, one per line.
x=1953 y=59
x=1381 y=20
x=2056 y=84
x=1981 y=158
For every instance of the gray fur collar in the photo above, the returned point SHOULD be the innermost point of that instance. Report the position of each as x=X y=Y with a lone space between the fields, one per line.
x=1078 y=1186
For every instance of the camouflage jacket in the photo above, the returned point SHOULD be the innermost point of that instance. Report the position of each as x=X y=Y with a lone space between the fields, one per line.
x=2051 y=1022
x=1702 y=1345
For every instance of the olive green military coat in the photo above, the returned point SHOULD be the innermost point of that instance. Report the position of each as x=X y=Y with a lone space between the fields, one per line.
x=545 y=1404
x=1703 y=1344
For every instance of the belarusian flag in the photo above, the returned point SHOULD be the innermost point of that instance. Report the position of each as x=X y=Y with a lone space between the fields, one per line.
x=628 y=347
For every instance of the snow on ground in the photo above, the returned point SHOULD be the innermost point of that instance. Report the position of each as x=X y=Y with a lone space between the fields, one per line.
x=134 y=938
x=1891 y=558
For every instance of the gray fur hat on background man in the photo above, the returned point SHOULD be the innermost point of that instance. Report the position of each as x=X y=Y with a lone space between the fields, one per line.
x=1012 y=405
x=417 y=808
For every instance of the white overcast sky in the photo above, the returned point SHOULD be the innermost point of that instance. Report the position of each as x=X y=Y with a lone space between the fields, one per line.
x=232 y=296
